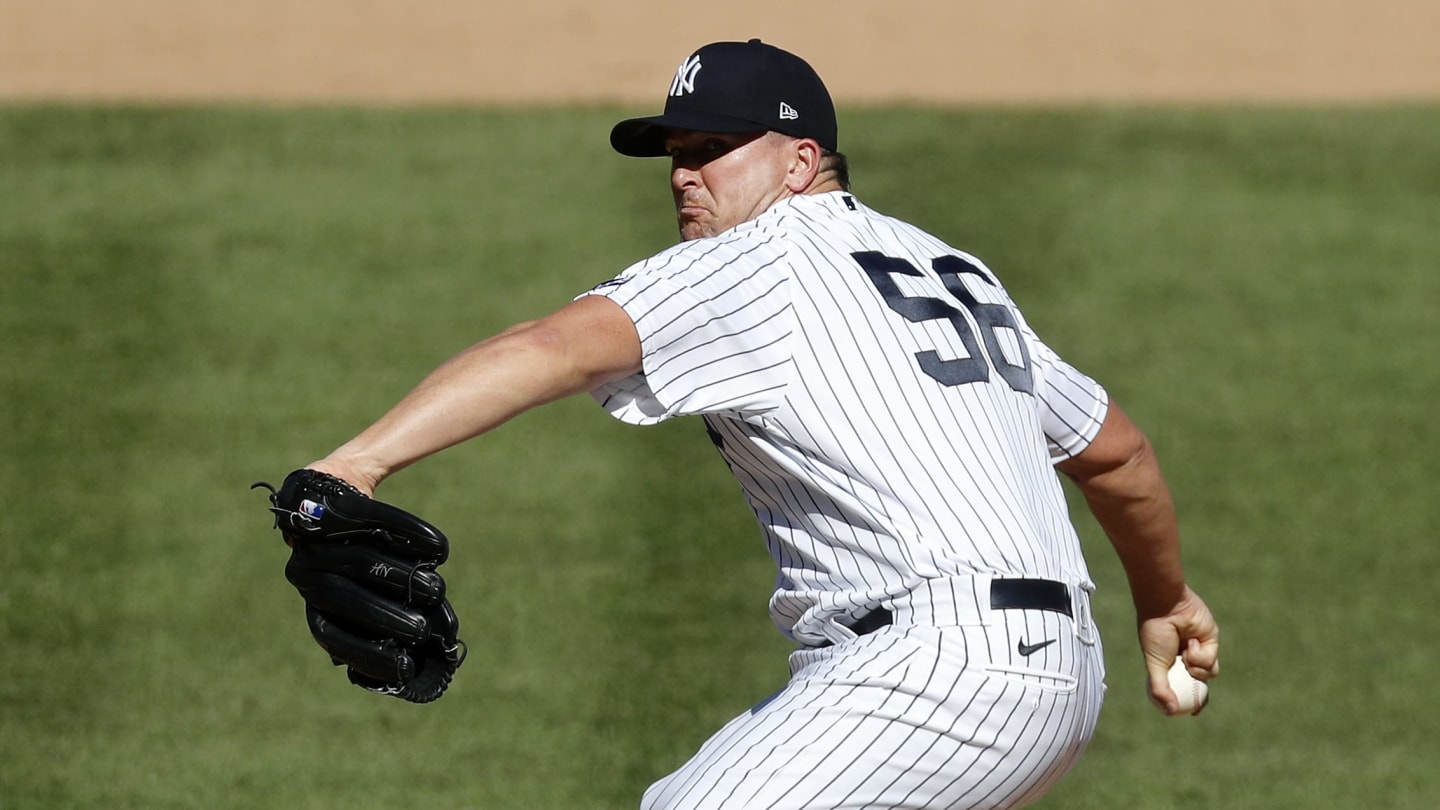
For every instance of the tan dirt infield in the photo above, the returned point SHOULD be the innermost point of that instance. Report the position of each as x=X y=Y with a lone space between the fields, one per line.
x=561 y=51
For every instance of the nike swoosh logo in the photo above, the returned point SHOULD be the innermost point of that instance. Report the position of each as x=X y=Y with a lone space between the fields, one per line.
x=1028 y=650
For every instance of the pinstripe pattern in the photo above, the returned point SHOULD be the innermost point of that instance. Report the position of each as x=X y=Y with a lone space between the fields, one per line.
x=907 y=717
x=836 y=357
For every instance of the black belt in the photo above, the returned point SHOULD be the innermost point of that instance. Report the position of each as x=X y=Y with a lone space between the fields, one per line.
x=1005 y=594
x=872 y=621
x=1031 y=594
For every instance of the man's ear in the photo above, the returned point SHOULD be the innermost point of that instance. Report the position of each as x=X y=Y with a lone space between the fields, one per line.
x=804 y=165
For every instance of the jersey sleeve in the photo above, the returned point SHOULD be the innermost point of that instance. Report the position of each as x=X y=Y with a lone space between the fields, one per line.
x=714 y=320
x=1072 y=405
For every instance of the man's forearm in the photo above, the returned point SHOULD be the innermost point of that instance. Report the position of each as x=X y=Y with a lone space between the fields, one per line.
x=1133 y=505
x=576 y=349
x=1121 y=480
x=473 y=392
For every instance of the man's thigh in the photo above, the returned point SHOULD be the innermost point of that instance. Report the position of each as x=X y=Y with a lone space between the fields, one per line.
x=903 y=718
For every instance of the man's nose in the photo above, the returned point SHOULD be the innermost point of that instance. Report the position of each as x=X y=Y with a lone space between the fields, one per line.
x=683 y=177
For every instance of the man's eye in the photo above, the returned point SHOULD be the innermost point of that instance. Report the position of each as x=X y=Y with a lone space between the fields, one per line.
x=702 y=151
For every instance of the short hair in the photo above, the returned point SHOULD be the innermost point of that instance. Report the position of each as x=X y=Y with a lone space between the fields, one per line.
x=839 y=164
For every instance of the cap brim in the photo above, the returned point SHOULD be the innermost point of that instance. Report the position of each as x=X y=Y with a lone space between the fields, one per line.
x=645 y=137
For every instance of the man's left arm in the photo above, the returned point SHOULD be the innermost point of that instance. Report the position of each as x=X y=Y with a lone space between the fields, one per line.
x=585 y=344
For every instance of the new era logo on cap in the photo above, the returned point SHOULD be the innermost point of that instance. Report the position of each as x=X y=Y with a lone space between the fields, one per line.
x=747 y=87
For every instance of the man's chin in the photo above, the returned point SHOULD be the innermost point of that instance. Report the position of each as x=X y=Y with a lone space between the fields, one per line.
x=691 y=230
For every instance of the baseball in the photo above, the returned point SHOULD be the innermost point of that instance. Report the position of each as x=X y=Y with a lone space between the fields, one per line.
x=1193 y=694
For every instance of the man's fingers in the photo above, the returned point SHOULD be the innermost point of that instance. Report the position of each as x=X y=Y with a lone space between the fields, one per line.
x=1158 y=675
x=1202 y=658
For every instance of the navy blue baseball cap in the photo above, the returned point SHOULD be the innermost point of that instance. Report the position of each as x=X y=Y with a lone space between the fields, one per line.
x=736 y=87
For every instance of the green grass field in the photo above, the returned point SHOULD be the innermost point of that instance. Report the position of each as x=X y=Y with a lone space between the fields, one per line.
x=195 y=299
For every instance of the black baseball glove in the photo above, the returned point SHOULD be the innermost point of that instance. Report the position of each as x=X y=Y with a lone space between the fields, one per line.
x=373 y=598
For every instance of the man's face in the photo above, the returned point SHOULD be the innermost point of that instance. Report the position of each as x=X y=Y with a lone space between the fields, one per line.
x=720 y=180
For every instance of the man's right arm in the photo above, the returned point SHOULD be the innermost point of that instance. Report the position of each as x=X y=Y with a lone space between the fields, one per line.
x=1120 y=478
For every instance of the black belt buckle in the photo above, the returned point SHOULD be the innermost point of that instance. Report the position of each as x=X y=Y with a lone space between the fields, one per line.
x=1031 y=594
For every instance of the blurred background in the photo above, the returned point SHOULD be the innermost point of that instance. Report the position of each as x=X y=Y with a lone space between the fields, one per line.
x=231 y=235
x=930 y=51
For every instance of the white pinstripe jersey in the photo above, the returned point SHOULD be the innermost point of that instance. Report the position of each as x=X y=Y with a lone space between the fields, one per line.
x=887 y=411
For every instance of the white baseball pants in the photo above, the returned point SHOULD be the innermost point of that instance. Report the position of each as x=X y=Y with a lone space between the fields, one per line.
x=914 y=715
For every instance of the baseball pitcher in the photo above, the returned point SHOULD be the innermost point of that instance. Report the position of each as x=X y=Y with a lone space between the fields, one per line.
x=895 y=424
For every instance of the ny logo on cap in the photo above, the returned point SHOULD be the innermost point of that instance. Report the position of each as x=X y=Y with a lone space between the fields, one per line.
x=685 y=76
x=787 y=113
